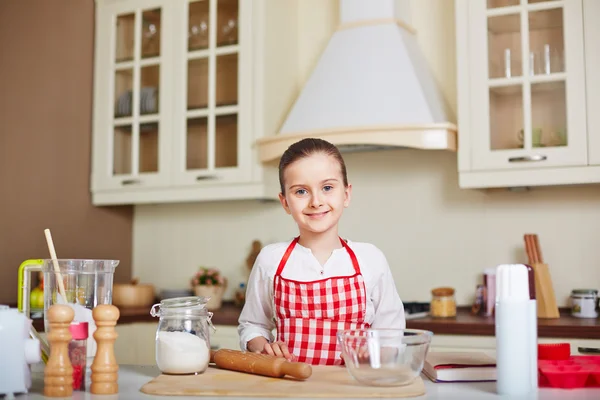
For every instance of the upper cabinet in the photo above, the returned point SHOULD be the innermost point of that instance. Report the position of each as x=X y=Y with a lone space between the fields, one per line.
x=528 y=82
x=178 y=98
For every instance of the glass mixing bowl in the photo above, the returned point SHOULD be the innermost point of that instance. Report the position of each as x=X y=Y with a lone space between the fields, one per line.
x=384 y=357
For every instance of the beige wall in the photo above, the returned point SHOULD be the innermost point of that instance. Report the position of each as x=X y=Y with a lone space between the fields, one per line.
x=46 y=54
x=407 y=202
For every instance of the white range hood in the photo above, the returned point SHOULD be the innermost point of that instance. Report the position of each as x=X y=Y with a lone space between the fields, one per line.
x=371 y=88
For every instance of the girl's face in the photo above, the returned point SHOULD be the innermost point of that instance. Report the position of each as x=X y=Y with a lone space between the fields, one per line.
x=315 y=195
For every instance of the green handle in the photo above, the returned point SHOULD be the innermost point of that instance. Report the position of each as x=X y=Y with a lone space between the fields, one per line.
x=33 y=264
x=25 y=290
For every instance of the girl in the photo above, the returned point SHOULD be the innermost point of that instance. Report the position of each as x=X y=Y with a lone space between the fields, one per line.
x=317 y=284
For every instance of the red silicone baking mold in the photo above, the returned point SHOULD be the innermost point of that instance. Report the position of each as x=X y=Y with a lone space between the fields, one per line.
x=554 y=351
x=574 y=372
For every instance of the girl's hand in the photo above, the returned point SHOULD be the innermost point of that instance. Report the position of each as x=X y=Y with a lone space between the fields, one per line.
x=262 y=346
x=278 y=349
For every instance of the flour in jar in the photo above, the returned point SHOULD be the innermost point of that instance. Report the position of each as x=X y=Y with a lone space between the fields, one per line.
x=181 y=353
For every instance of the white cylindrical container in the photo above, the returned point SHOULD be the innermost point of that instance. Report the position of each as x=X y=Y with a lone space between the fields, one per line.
x=516 y=330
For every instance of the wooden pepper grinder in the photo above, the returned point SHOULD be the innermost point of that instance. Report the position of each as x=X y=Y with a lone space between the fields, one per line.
x=58 y=373
x=105 y=368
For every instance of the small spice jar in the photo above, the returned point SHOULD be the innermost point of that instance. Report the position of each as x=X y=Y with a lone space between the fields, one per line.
x=183 y=336
x=78 y=353
x=443 y=303
x=584 y=303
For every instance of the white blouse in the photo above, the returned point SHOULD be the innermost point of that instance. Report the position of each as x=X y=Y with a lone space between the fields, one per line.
x=384 y=307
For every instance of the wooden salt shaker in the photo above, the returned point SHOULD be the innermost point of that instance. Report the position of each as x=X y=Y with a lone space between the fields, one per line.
x=105 y=368
x=58 y=373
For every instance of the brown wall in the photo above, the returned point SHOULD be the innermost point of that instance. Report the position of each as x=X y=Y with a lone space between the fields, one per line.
x=46 y=67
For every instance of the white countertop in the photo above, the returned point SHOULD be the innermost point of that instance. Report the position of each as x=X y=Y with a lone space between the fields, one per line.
x=132 y=378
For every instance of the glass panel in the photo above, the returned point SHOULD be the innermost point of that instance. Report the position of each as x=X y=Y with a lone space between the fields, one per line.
x=122 y=150
x=504 y=46
x=198 y=25
x=151 y=33
x=548 y=114
x=227 y=22
x=123 y=90
x=502 y=3
x=197 y=93
x=125 y=37
x=546 y=41
x=227 y=80
x=149 y=147
x=506 y=117
x=197 y=143
x=226 y=135
x=150 y=82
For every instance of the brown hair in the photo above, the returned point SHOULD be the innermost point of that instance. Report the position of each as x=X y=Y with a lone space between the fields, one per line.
x=307 y=147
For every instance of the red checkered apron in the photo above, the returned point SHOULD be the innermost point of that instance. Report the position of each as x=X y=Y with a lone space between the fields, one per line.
x=309 y=314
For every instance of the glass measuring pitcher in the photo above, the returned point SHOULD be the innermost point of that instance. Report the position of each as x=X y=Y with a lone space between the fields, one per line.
x=81 y=283
x=86 y=283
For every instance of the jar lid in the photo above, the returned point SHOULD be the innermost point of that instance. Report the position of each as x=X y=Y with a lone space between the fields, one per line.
x=195 y=304
x=584 y=291
x=79 y=330
x=443 y=291
x=185 y=302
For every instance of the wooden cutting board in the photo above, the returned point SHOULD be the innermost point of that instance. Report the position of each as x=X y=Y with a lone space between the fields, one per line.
x=325 y=381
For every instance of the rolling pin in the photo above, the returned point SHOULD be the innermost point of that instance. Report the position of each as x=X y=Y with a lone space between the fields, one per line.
x=259 y=364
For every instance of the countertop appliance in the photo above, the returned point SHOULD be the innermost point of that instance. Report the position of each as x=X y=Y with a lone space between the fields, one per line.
x=416 y=310
x=17 y=350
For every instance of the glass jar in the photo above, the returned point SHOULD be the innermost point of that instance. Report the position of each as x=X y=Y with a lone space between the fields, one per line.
x=183 y=336
x=443 y=303
x=584 y=303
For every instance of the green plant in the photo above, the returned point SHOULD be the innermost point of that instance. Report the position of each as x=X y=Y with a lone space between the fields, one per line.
x=207 y=276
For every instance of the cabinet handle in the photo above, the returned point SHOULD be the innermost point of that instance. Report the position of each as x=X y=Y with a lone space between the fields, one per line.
x=131 y=182
x=537 y=157
x=588 y=350
x=205 y=177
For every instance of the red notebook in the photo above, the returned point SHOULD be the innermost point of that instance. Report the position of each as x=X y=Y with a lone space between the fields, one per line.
x=459 y=367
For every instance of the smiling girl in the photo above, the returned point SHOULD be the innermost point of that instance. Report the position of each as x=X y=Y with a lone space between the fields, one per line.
x=317 y=284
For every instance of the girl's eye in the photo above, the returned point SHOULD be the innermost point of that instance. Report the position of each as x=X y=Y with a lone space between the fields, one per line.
x=300 y=192
x=327 y=188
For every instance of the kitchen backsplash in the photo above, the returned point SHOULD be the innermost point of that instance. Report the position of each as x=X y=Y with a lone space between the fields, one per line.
x=407 y=202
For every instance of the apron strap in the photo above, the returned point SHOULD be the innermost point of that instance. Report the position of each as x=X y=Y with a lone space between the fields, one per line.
x=286 y=255
x=352 y=256
x=290 y=248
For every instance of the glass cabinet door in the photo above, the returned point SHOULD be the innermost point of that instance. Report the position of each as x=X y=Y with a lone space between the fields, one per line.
x=137 y=126
x=211 y=104
x=528 y=80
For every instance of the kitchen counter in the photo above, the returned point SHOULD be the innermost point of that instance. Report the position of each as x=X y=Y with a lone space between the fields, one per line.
x=464 y=323
x=131 y=379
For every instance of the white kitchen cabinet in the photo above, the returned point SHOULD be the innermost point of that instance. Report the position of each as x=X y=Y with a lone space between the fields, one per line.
x=487 y=344
x=591 y=10
x=182 y=90
x=528 y=92
x=135 y=344
x=225 y=337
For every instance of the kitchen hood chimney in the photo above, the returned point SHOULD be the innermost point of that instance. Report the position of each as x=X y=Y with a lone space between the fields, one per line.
x=371 y=88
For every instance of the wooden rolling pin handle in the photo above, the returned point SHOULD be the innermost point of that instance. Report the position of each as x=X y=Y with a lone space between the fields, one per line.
x=296 y=370
x=260 y=364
